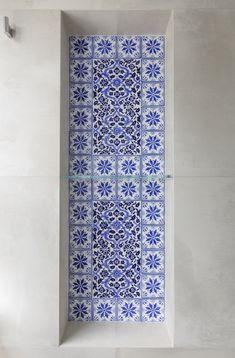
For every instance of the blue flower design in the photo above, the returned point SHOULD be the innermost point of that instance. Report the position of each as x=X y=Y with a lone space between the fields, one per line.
x=153 y=188
x=80 y=188
x=81 y=46
x=152 y=70
x=153 y=285
x=80 y=237
x=80 y=261
x=80 y=94
x=153 y=261
x=80 y=166
x=153 y=118
x=153 y=212
x=104 y=189
x=80 y=142
x=128 y=188
x=153 y=93
x=128 y=310
x=152 y=166
x=80 y=310
x=104 y=310
x=104 y=166
x=81 y=70
x=129 y=46
x=129 y=166
x=80 y=118
x=153 y=237
x=153 y=46
x=152 y=310
x=104 y=46
x=152 y=142
x=80 y=212
x=80 y=285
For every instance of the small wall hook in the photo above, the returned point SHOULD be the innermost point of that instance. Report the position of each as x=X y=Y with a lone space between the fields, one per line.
x=8 y=30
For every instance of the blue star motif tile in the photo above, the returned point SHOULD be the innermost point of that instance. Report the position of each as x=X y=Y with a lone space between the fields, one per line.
x=104 y=166
x=104 y=189
x=81 y=71
x=152 y=189
x=153 y=70
x=129 y=310
x=80 y=237
x=116 y=178
x=80 y=262
x=153 y=262
x=104 y=46
x=153 y=47
x=104 y=310
x=153 y=236
x=80 y=166
x=128 y=47
x=80 y=142
x=153 y=94
x=153 y=310
x=153 y=118
x=80 y=286
x=80 y=309
x=80 y=118
x=81 y=94
x=80 y=47
x=153 y=286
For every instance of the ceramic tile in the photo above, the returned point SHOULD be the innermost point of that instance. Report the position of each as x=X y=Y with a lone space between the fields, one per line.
x=116 y=184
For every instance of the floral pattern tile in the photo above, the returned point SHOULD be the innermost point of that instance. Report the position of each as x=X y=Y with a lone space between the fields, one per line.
x=116 y=178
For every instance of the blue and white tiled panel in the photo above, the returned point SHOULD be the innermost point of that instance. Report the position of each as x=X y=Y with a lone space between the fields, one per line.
x=116 y=168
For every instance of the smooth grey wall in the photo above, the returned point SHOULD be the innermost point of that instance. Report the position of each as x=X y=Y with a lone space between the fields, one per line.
x=205 y=183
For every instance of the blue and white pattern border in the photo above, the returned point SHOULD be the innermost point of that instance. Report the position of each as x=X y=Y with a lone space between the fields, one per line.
x=116 y=178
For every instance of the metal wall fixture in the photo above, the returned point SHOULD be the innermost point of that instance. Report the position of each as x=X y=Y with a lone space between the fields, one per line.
x=8 y=30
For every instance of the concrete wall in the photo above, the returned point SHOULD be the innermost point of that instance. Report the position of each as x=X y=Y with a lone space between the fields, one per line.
x=204 y=131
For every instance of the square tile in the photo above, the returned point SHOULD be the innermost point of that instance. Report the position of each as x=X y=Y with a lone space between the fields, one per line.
x=128 y=166
x=80 y=213
x=153 y=118
x=80 y=237
x=80 y=142
x=80 y=310
x=104 y=310
x=104 y=189
x=153 y=142
x=128 y=188
x=153 y=70
x=153 y=46
x=104 y=166
x=80 y=189
x=80 y=262
x=80 y=118
x=153 y=262
x=153 y=310
x=80 y=286
x=153 y=236
x=152 y=189
x=129 y=46
x=80 y=166
x=104 y=46
x=153 y=166
x=80 y=47
x=153 y=212
x=153 y=286
x=153 y=94
x=129 y=310
x=81 y=94
x=80 y=70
